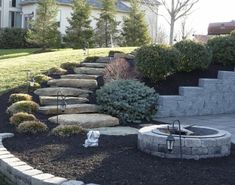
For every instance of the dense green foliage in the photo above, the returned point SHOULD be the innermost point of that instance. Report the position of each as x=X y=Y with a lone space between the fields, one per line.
x=20 y=117
x=13 y=38
x=223 y=49
x=19 y=97
x=135 y=30
x=67 y=130
x=193 y=56
x=32 y=127
x=80 y=32
x=106 y=27
x=44 y=29
x=157 y=61
x=129 y=100
x=23 y=106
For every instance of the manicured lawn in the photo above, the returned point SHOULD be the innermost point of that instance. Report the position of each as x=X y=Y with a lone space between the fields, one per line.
x=13 y=53
x=12 y=71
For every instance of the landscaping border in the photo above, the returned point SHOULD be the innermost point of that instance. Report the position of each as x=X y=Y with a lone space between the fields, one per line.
x=20 y=173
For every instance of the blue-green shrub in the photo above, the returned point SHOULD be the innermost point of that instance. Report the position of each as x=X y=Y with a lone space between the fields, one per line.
x=157 y=61
x=223 y=49
x=193 y=56
x=129 y=100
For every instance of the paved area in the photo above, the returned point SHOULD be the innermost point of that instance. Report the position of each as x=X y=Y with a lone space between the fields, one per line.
x=220 y=121
x=117 y=131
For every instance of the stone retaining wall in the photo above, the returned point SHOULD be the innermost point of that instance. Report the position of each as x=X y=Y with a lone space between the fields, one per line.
x=213 y=96
x=21 y=173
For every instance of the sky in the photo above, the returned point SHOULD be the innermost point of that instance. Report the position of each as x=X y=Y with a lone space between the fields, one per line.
x=205 y=12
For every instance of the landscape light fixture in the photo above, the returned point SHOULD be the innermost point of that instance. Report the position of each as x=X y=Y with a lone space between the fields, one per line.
x=61 y=103
x=170 y=141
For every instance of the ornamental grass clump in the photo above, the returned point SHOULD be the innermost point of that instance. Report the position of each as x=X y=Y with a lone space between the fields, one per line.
x=69 y=65
x=56 y=71
x=156 y=62
x=19 y=97
x=129 y=100
x=20 y=117
x=67 y=130
x=193 y=56
x=41 y=78
x=23 y=106
x=32 y=127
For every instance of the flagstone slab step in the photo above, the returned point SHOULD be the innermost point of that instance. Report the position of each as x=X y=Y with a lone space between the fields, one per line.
x=52 y=100
x=70 y=109
x=93 y=65
x=116 y=131
x=77 y=83
x=89 y=70
x=80 y=76
x=86 y=120
x=66 y=91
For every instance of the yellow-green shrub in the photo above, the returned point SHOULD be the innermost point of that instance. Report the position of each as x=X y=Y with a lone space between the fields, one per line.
x=56 y=71
x=23 y=106
x=20 y=117
x=19 y=97
x=67 y=130
x=32 y=127
x=41 y=78
x=69 y=65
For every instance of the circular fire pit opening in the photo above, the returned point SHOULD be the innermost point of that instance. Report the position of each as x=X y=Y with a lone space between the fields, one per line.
x=197 y=142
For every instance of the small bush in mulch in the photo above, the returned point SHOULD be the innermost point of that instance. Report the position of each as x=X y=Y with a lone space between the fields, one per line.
x=23 y=106
x=193 y=56
x=56 y=71
x=32 y=127
x=67 y=130
x=41 y=78
x=157 y=61
x=223 y=49
x=20 y=117
x=69 y=65
x=91 y=59
x=119 y=69
x=19 y=97
x=129 y=100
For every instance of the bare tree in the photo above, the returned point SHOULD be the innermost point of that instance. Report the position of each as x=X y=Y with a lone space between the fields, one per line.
x=161 y=35
x=185 y=31
x=176 y=9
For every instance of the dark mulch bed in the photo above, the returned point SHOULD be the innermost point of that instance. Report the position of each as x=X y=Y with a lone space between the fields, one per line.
x=170 y=86
x=117 y=161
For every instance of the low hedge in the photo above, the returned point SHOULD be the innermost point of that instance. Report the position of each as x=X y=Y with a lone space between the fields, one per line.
x=19 y=97
x=67 y=130
x=23 y=106
x=32 y=127
x=20 y=117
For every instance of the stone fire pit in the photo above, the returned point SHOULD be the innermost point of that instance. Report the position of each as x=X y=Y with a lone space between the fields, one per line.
x=197 y=142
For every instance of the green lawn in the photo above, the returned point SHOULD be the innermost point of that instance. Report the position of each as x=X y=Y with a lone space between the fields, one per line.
x=12 y=71
x=12 y=53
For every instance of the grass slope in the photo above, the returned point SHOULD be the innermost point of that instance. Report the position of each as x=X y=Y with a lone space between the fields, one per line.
x=12 y=71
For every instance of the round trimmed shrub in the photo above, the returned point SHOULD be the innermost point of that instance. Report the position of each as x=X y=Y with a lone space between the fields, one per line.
x=223 y=50
x=157 y=61
x=56 y=71
x=20 y=117
x=32 y=127
x=67 y=130
x=19 y=97
x=193 y=56
x=69 y=65
x=129 y=100
x=41 y=78
x=23 y=106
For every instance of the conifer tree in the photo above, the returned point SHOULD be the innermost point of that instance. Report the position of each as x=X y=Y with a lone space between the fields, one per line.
x=106 y=27
x=80 y=33
x=44 y=28
x=135 y=30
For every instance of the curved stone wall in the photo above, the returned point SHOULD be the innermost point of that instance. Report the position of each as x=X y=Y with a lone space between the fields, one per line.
x=212 y=96
x=193 y=147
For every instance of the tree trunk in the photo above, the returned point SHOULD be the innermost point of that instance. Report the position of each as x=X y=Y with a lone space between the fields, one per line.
x=172 y=26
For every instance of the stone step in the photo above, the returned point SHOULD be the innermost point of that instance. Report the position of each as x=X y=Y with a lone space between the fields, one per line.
x=86 y=120
x=89 y=70
x=70 y=109
x=66 y=91
x=52 y=100
x=80 y=76
x=226 y=75
x=77 y=83
x=190 y=91
x=104 y=60
x=204 y=82
x=93 y=65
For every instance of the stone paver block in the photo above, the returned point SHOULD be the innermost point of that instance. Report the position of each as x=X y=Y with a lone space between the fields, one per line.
x=73 y=182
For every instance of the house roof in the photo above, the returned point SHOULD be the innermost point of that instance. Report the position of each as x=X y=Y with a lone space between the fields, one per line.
x=94 y=3
x=221 y=28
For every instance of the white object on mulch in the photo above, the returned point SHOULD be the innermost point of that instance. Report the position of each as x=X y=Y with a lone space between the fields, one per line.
x=92 y=139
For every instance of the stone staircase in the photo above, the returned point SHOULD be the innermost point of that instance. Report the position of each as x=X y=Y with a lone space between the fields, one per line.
x=212 y=96
x=76 y=88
